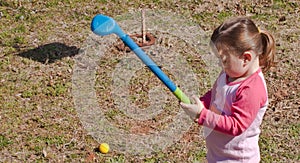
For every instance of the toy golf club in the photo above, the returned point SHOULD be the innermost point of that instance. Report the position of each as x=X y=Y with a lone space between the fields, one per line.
x=103 y=25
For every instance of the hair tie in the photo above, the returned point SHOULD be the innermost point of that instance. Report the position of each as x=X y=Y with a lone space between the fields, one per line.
x=259 y=31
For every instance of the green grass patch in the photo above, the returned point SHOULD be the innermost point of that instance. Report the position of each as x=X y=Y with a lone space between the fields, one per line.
x=4 y=142
x=116 y=159
x=223 y=15
x=203 y=16
x=27 y=94
x=57 y=89
x=52 y=3
x=55 y=140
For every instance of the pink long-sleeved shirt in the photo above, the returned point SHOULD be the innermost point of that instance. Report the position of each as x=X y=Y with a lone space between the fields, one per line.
x=233 y=135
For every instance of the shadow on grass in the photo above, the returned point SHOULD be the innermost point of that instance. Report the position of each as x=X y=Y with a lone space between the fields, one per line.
x=49 y=53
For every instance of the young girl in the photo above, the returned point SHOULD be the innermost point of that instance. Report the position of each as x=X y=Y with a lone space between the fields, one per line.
x=233 y=109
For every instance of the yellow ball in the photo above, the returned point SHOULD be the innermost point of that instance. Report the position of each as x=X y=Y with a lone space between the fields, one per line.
x=104 y=148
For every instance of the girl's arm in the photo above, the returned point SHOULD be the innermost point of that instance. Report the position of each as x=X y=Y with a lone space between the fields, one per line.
x=244 y=110
x=206 y=99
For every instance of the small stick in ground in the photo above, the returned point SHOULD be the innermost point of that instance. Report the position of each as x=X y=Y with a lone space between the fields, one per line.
x=143 y=27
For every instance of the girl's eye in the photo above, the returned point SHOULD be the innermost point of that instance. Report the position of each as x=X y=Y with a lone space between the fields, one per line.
x=224 y=62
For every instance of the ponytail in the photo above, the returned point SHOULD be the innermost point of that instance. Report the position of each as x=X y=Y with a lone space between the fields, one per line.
x=267 y=58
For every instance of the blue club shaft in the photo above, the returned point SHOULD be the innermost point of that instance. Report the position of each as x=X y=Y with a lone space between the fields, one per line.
x=149 y=63
x=103 y=25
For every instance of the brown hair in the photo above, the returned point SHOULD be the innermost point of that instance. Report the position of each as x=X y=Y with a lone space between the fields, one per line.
x=240 y=34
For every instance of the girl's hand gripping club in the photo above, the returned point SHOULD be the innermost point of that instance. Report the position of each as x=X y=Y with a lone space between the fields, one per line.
x=103 y=25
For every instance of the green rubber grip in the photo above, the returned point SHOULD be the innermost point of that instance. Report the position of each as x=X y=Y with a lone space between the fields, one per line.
x=181 y=96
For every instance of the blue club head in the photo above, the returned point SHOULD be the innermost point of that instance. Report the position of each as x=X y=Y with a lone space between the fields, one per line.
x=103 y=25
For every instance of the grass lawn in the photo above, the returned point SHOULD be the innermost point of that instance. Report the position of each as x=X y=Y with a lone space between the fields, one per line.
x=39 y=41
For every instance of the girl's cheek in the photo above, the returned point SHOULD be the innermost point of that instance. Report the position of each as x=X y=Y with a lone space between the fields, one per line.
x=224 y=64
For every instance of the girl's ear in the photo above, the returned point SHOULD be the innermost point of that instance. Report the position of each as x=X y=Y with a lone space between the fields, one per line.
x=247 y=57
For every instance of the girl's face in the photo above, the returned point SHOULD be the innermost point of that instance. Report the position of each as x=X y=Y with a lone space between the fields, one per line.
x=232 y=64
